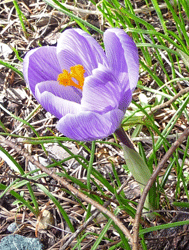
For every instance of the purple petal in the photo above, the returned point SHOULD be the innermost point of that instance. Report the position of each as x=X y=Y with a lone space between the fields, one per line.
x=122 y=55
x=89 y=126
x=40 y=65
x=101 y=91
x=67 y=93
x=58 y=106
x=125 y=100
x=77 y=47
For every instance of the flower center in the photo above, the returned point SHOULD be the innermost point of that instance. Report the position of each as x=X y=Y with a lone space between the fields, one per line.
x=76 y=72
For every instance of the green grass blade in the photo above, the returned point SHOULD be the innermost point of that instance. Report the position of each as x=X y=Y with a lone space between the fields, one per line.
x=57 y=5
x=56 y=202
x=158 y=11
x=165 y=226
x=89 y=170
x=20 y=17
x=16 y=167
x=20 y=198
x=8 y=65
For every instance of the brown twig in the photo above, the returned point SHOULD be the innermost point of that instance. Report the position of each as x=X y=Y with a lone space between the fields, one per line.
x=76 y=192
x=150 y=183
x=85 y=224
x=166 y=104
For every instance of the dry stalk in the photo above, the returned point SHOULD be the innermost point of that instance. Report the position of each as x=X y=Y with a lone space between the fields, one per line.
x=166 y=104
x=94 y=215
x=152 y=179
x=72 y=189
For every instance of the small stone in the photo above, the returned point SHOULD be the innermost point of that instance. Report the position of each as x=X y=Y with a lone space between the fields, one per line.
x=46 y=220
x=15 y=242
x=12 y=227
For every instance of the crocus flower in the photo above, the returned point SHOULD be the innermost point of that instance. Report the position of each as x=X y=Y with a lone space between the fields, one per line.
x=87 y=89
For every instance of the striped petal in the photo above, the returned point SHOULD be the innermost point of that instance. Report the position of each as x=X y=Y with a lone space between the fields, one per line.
x=40 y=65
x=89 y=126
x=58 y=106
x=122 y=55
x=77 y=47
x=64 y=92
x=101 y=91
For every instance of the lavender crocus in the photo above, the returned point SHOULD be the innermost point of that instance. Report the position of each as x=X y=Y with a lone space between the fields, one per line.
x=87 y=89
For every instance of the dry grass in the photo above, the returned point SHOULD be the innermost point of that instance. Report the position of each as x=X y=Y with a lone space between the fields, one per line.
x=42 y=27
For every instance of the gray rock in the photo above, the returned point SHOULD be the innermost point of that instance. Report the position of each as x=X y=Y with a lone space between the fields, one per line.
x=12 y=227
x=18 y=242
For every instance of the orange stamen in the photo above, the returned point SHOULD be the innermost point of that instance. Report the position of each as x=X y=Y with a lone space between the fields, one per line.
x=76 y=72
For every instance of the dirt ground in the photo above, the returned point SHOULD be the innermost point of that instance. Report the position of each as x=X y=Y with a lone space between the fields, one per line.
x=43 y=26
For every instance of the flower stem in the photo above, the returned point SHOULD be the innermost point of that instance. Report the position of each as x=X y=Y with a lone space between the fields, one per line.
x=120 y=133
x=136 y=166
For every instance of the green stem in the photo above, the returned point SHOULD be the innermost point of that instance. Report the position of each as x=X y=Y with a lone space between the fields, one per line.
x=136 y=165
x=120 y=133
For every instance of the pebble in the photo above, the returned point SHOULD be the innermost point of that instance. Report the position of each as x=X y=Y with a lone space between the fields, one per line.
x=12 y=227
x=15 y=242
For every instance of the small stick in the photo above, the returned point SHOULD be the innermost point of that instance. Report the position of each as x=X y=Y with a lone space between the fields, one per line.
x=163 y=105
x=85 y=224
x=76 y=192
x=153 y=177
